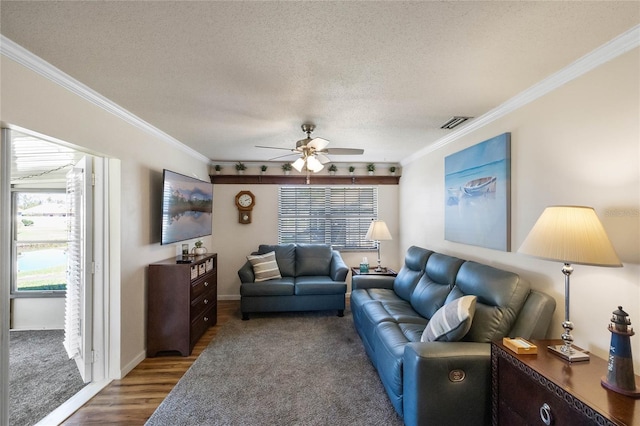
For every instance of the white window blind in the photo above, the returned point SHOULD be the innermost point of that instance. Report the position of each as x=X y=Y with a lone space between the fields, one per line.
x=75 y=270
x=339 y=216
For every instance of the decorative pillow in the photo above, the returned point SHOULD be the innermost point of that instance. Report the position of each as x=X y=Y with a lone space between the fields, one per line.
x=265 y=266
x=452 y=321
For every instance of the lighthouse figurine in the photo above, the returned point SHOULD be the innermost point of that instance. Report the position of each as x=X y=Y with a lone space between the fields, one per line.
x=620 y=377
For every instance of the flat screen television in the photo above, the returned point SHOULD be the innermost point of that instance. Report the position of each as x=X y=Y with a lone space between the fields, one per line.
x=187 y=206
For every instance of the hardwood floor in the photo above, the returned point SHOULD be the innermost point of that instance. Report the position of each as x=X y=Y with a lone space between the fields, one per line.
x=132 y=400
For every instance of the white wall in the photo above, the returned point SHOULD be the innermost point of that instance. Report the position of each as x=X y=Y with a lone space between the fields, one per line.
x=234 y=241
x=33 y=313
x=35 y=103
x=579 y=144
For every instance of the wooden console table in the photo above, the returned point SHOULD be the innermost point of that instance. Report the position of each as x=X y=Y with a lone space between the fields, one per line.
x=527 y=389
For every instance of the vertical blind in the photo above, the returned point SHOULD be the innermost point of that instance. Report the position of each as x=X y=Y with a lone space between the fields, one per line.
x=327 y=215
x=75 y=270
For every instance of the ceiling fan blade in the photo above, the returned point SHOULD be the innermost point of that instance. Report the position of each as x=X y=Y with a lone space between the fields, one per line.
x=282 y=156
x=343 y=151
x=274 y=147
x=322 y=158
x=318 y=143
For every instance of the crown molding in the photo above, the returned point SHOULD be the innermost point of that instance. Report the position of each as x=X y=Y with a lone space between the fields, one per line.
x=22 y=56
x=623 y=43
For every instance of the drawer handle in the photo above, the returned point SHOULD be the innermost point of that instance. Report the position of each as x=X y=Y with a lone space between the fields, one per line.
x=545 y=414
x=206 y=319
x=206 y=284
x=206 y=301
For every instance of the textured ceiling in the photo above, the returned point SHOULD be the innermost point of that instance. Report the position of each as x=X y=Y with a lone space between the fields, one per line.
x=222 y=77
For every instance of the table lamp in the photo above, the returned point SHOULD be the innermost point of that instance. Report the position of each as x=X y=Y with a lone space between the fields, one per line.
x=570 y=234
x=378 y=231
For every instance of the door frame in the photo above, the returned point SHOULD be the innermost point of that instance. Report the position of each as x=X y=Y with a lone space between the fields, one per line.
x=106 y=343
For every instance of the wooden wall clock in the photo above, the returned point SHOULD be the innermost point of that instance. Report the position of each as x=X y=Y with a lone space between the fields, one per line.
x=245 y=201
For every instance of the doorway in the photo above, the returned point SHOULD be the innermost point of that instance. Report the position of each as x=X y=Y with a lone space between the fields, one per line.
x=40 y=164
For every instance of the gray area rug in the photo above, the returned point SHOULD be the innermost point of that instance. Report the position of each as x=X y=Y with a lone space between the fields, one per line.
x=41 y=376
x=280 y=369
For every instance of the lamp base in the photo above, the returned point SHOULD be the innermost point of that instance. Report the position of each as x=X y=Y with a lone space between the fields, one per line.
x=574 y=355
x=633 y=393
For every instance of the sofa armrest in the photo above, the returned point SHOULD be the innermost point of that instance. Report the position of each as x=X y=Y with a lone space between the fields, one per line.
x=372 y=281
x=339 y=269
x=246 y=273
x=446 y=383
x=534 y=317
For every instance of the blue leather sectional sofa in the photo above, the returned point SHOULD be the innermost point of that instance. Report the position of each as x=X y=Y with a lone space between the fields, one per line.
x=442 y=382
x=312 y=279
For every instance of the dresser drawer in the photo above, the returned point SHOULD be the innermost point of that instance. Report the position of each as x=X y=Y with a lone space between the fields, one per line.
x=201 y=323
x=522 y=399
x=202 y=285
x=204 y=302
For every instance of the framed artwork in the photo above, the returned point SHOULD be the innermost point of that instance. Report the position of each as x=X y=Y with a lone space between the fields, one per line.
x=478 y=194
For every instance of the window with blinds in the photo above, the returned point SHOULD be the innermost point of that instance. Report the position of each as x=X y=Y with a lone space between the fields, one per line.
x=40 y=242
x=327 y=215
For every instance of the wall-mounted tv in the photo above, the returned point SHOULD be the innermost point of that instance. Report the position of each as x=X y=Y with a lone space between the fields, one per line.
x=187 y=205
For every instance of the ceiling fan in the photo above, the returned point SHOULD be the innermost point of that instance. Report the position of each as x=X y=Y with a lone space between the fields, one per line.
x=313 y=152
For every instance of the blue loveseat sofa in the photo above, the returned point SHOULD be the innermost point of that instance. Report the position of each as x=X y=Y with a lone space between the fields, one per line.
x=312 y=278
x=443 y=381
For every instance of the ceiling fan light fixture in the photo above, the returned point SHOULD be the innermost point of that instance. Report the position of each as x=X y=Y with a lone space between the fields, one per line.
x=314 y=165
x=313 y=152
x=454 y=122
x=298 y=164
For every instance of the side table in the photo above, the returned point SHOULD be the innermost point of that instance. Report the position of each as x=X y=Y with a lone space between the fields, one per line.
x=545 y=389
x=386 y=272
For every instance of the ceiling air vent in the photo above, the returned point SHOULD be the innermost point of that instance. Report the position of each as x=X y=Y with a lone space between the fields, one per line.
x=454 y=122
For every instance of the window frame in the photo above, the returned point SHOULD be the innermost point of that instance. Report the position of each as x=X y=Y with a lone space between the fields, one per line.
x=322 y=206
x=15 y=293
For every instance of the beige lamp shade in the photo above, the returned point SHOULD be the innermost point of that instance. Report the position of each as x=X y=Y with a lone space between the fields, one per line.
x=378 y=231
x=570 y=234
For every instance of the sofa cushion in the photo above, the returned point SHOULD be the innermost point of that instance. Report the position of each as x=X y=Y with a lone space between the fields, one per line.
x=402 y=312
x=281 y=287
x=313 y=259
x=318 y=285
x=264 y=266
x=285 y=256
x=501 y=295
x=439 y=277
x=429 y=296
x=413 y=268
x=451 y=322
x=389 y=340
x=382 y=294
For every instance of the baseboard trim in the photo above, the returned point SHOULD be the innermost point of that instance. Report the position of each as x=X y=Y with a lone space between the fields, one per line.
x=133 y=363
x=71 y=405
x=228 y=297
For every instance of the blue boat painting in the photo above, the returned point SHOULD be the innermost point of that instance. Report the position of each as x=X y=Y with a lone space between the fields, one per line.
x=477 y=194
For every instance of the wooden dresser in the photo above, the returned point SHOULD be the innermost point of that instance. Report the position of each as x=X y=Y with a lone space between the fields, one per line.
x=181 y=303
x=528 y=389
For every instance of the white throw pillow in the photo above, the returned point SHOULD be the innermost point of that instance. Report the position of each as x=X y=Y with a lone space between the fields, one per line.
x=451 y=322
